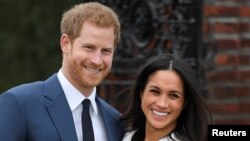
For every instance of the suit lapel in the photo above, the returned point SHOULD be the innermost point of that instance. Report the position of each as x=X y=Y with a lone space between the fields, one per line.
x=59 y=110
x=106 y=120
x=109 y=122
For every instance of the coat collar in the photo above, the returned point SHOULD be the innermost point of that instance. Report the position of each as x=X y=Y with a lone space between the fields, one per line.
x=58 y=109
x=111 y=120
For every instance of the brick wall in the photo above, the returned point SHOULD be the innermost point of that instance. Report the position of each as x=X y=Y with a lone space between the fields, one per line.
x=227 y=23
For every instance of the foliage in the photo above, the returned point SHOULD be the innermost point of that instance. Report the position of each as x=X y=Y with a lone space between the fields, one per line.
x=29 y=40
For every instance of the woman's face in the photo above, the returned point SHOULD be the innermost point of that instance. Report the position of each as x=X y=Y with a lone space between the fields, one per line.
x=162 y=100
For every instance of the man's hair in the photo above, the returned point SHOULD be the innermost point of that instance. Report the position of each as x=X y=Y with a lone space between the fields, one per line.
x=92 y=12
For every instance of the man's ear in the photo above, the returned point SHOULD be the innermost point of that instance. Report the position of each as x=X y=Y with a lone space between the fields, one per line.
x=65 y=43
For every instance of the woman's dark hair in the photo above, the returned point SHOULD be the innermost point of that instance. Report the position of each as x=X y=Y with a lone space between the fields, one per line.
x=194 y=118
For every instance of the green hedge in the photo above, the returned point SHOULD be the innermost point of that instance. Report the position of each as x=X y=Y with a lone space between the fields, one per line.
x=29 y=40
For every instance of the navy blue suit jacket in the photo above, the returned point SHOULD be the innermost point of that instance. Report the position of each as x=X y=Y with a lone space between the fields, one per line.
x=39 y=111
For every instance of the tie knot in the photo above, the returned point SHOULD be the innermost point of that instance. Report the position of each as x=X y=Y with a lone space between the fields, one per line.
x=86 y=103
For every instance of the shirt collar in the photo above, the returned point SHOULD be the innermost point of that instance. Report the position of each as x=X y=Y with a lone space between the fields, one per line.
x=74 y=96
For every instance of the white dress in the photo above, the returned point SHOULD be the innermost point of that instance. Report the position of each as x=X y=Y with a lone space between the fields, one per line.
x=128 y=137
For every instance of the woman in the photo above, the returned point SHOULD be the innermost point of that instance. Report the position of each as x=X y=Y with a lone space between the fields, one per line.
x=166 y=103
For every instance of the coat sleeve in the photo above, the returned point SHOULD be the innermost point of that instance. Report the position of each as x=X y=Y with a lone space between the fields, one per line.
x=12 y=118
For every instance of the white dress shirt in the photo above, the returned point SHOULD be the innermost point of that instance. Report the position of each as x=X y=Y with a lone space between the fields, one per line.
x=75 y=98
x=128 y=137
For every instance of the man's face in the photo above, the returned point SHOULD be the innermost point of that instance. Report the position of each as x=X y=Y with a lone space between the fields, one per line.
x=88 y=59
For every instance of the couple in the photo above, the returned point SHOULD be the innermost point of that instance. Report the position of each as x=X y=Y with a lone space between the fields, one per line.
x=166 y=104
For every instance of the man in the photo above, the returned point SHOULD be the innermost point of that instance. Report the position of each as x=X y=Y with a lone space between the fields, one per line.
x=51 y=110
